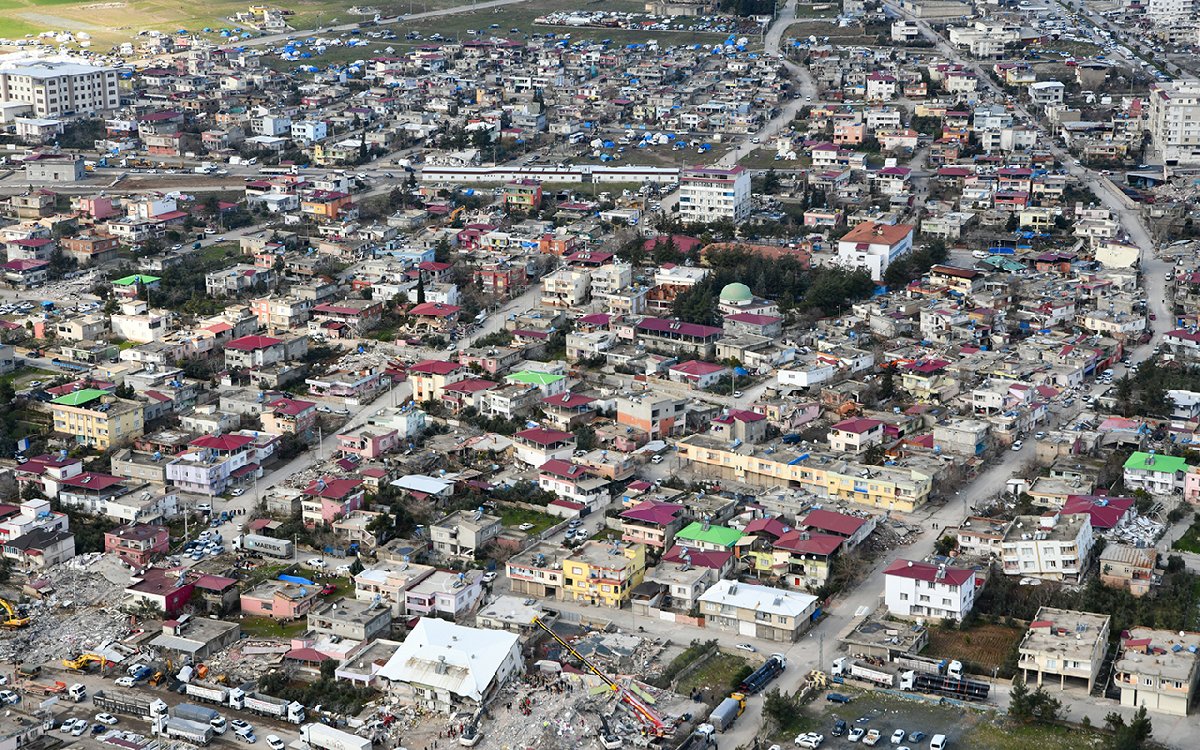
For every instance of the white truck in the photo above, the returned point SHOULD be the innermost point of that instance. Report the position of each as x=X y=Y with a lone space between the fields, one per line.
x=843 y=666
x=322 y=737
x=266 y=705
x=195 y=732
x=209 y=693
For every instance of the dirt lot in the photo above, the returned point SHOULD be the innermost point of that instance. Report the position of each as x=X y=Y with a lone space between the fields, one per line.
x=984 y=646
x=966 y=729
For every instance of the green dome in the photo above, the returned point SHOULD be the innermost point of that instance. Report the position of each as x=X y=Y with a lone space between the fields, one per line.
x=736 y=293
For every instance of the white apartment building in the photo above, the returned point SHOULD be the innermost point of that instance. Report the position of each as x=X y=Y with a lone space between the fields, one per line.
x=710 y=194
x=1175 y=121
x=1171 y=11
x=917 y=589
x=1055 y=547
x=56 y=89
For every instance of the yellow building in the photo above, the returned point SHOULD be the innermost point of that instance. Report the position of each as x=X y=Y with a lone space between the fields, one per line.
x=97 y=418
x=601 y=573
x=883 y=487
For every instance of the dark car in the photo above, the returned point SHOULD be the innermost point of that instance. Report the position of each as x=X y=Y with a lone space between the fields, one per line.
x=916 y=736
x=839 y=728
x=838 y=698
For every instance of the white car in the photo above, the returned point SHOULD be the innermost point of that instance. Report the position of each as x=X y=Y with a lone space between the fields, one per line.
x=746 y=647
x=316 y=562
x=108 y=719
x=897 y=736
x=8 y=697
x=810 y=740
x=489 y=576
x=274 y=742
x=1018 y=445
x=127 y=682
x=856 y=734
x=204 y=507
x=525 y=526
x=240 y=726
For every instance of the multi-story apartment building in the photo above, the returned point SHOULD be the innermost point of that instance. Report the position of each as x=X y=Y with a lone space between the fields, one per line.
x=1154 y=473
x=1064 y=643
x=656 y=416
x=710 y=194
x=757 y=611
x=917 y=589
x=537 y=571
x=97 y=418
x=463 y=533
x=56 y=89
x=828 y=476
x=1055 y=547
x=603 y=574
x=1174 y=120
x=1158 y=669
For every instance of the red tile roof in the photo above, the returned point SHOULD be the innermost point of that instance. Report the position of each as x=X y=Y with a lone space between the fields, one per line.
x=334 y=489
x=544 y=436
x=653 y=511
x=857 y=426
x=90 y=480
x=251 y=343
x=563 y=469
x=435 y=367
x=290 y=406
x=225 y=443
x=832 y=521
x=920 y=571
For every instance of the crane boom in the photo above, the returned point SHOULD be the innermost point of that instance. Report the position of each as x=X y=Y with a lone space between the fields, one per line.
x=646 y=713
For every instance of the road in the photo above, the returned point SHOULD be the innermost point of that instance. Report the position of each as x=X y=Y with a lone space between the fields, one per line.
x=94 y=683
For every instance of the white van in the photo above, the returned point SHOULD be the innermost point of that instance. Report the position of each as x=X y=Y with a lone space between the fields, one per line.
x=938 y=742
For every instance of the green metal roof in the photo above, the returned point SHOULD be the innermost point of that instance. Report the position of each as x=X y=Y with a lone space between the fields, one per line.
x=136 y=278
x=722 y=536
x=531 y=377
x=1165 y=464
x=80 y=397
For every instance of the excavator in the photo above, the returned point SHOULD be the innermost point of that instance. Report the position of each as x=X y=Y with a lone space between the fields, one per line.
x=83 y=661
x=13 y=619
x=653 y=723
x=471 y=734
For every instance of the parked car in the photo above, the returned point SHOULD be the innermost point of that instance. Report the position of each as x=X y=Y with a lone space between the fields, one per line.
x=839 y=728
x=872 y=737
x=274 y=742
x=128 y=682
x=838 y=698
x=856 y=734
x=746 y=647
x=1018 y=445
x=897 y=736
x=489 y=576
x=106 y=719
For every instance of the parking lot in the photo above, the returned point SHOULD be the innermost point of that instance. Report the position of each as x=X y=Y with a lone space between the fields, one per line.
x=965 y=728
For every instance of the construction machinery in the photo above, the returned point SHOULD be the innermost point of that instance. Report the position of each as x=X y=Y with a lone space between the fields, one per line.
x=651 y=721
x=83 y=661
x=471 y=735
x=13 y=618
x=608 y=738
x=44 y=688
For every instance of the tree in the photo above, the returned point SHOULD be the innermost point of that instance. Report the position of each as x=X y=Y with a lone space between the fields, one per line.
x=1038 y=705
x=945 y=545
x=420 y=287
x=585 y=438
x=1131 y=736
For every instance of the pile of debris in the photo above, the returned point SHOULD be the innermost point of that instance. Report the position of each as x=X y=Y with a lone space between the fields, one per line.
x=75 y=613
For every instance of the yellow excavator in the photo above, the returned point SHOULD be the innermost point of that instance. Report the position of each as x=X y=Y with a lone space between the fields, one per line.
x=12 y=618
x=81 y=662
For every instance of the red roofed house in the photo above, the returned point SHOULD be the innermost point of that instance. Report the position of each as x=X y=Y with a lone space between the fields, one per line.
x=254 y=351
x=698 y=374
x=284 y=415
x=358 y=314
x=137 y=543
x=799 y=559
x=326 y=499
x=855 y=435
x=566 y=411
x=739 y=424
x=430 y=377
x=918 y=589
x=26 y=273
x=678 y=337
x=574 y=482
x=537 y=446
x=853 y=529
x=435 y=315
x=652 y=523
x=463 y=393
x=873 y=246
x=90 y=491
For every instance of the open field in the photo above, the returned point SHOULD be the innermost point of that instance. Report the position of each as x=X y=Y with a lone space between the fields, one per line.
x=717 y=676
x=513 y=516
x=113 y=21
x=985 y=646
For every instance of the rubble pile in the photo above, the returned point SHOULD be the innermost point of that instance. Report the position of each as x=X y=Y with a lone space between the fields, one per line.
x=77 y=613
